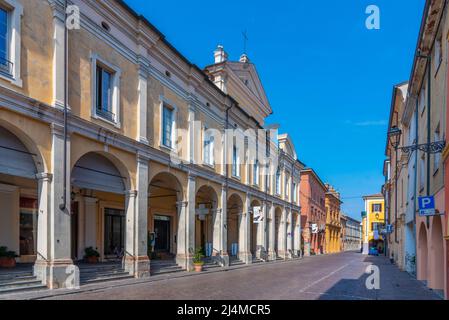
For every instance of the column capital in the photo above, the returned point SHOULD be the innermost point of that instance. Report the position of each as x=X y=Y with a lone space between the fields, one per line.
x=44 y=176
x=57 y=7
x=131 y=193
x=192 y=176
x=90 y=200
x=182 y=204
x=142 y=158
x=217 y=211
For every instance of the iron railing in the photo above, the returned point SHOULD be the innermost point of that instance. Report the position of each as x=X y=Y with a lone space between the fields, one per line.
x=6 y=66
x=105 y=114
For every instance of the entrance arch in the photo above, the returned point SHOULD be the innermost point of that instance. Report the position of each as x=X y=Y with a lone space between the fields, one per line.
x=234 y=220
x=436 y=279
x=206 y=201
x=20 y=162
x=99 y=185
x=422 y=253
x=165 y=193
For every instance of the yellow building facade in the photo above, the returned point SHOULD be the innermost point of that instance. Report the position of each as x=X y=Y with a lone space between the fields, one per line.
x=333 y=221
x=138 y=172
x=373 y=220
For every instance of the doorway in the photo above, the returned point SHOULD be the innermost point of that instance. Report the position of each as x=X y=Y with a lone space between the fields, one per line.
x=162 y=233
x=114 y=232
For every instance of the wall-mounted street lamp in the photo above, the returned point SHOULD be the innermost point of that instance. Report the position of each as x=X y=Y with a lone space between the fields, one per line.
x=433 y=147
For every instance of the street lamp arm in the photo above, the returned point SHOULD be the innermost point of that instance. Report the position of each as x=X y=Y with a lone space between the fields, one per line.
x=433 y=147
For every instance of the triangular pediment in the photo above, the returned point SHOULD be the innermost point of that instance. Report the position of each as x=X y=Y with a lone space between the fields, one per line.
x=249 y=77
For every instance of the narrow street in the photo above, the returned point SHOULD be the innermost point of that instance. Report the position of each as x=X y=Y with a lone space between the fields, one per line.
x=329 y=277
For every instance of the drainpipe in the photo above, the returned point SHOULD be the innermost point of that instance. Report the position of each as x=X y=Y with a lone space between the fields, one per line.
x=63 y=205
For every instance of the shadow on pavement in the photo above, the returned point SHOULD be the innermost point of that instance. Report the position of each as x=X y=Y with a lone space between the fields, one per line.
x=394 y=284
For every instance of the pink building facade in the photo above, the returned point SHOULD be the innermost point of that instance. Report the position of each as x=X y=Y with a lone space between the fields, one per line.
x=313 y=212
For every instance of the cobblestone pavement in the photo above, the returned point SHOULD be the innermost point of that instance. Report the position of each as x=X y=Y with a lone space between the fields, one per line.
x=328 y=277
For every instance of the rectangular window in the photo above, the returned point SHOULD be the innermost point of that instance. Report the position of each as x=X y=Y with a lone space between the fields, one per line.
x=295 y=191
x=235 y=162
x=278 y=182
x=376 y=207
x=104 y=94
x=256 y=173
x=167 y=126
x=5 y=64
x=208 y=148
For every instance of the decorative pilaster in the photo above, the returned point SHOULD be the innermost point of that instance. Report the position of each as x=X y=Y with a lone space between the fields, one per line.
x=142 y=104
x=58 y=52
x=192 y=134
x=54 y=265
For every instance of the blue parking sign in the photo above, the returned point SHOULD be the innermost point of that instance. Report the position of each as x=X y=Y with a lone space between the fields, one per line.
x=426 y=206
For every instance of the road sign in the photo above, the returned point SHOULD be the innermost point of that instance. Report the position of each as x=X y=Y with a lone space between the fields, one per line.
x=314 y=228
x=257 y=218
x=426 y=206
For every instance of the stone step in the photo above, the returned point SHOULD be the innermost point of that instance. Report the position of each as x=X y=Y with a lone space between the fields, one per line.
x=106 y=278
x=102 y=275
x=17 y=280
x=156 y=271
x=19 y=284
x=9 y=277
x=35 y=287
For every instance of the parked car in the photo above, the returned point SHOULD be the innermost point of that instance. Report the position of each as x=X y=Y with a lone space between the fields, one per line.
x=373 y=251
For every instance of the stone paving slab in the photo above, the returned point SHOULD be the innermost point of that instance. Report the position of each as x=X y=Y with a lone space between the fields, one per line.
x=326 y=277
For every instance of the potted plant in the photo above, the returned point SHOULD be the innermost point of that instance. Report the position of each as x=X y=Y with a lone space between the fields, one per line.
x=198 y=260
x=7 y=258
x=91 y=255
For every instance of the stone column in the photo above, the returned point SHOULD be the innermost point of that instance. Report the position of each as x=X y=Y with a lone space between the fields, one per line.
x=282 y=247
x=131 y=217
x=297 y=236
x=244 y=233
x=137 y=262
x=307 y=240
x=272 y=237
x=262 y=234
x=181 y=238
x=186 y=227
x=58 y=52
x=54 y=265
x=223 y=245
x=290 y=234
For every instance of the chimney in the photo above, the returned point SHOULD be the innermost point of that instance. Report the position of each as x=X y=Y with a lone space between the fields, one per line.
x=220 y=55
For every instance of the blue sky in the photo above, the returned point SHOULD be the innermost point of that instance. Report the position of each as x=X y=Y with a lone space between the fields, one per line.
x=327 y=77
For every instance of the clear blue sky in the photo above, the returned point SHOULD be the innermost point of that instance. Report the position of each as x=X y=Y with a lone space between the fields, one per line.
x=328 y=78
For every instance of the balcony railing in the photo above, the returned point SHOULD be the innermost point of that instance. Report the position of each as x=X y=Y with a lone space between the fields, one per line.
x=6 y=66
x=105 y=114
